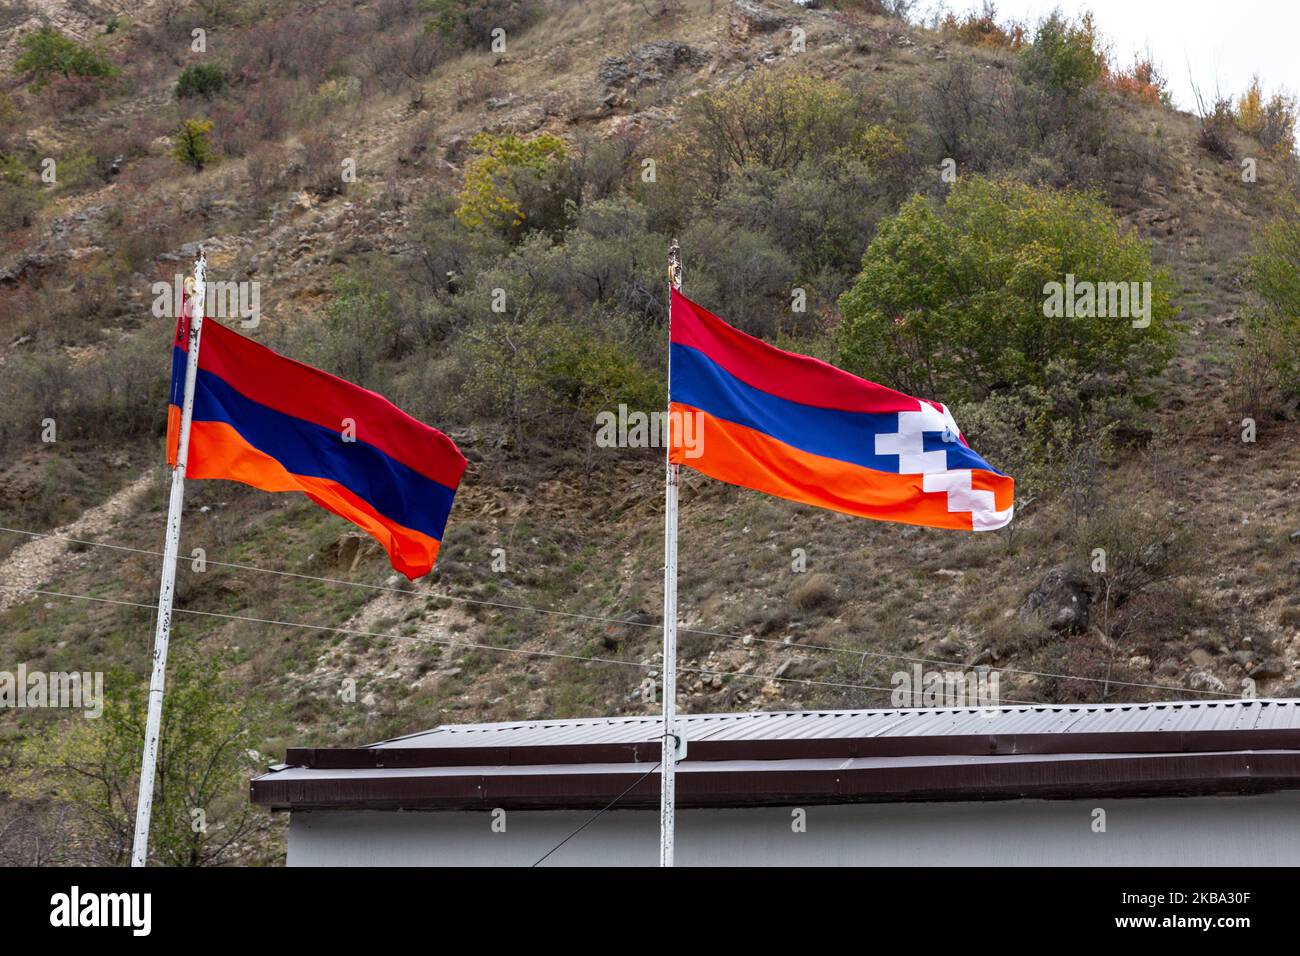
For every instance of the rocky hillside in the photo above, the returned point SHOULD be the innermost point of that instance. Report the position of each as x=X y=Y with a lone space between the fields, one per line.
x=545 y=601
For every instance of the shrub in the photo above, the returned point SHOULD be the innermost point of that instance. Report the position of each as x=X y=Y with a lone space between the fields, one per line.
x=548 y=378
x=981 y=28
x=1064 y=56
x=19 y=196
x=1055 y=438
x=319 y=164
x=1144 y=545
x=204 y=758
x=79 y=168
x=962 y=105
x=468 y=23
x=1250 y=108
x=951 y=301
x=819 y=216
x=1278 y=128
x=475 y=88
x=1142 y=80
x=997 y=121
x=1271 y=122
x=745 y=270
x=358 y=331
x=117 y=394
x=18 y=205
x=1217 y=125
x=448 y=256
x=602 y=166
x=47 y=53
x=612 y=259
x=191 y=144
x=561 y=350
x=771 y=120
x=512 y=180
x=127 y=141
x=1262 y=385
x=11 y=170
x=817 y=591
x=1273 y=280
x=201 y=79
x=400 y=60
x=9 y=112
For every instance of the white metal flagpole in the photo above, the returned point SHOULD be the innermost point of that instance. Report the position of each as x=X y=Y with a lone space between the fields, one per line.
x=167 y=589
x=669 y=752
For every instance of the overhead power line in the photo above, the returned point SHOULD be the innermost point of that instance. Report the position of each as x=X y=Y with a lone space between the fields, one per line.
x=451 y=642
x=596 y=618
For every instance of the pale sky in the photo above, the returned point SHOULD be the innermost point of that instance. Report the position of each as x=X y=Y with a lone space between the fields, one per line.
x=1224 y=41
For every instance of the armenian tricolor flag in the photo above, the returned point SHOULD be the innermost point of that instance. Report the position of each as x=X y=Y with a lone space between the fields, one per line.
x=792 y=426
x=278 y=425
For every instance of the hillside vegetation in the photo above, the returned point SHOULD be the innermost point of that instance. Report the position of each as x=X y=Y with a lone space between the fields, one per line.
x=476 y=224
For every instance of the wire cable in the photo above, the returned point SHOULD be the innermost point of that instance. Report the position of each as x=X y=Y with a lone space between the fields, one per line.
x=692 y=632
x=704 y=671
x=598 y=813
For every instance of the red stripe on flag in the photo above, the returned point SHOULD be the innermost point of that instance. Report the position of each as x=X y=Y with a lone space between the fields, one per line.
x=304 y=392
x=797 y=378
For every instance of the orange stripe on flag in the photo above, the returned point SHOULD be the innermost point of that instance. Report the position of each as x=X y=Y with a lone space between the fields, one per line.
x=1003 y=488
x=742 y=456
x=218 y=451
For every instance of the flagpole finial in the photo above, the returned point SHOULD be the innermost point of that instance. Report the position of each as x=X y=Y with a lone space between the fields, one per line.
x=675 y=265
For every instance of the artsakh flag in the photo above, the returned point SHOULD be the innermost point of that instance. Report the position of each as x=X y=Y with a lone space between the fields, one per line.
x=278 y=425
x=792 y=426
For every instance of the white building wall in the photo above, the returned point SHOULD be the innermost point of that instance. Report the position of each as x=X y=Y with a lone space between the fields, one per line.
x=1184 y=831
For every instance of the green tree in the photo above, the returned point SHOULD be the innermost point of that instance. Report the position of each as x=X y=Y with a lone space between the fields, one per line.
x=47 y=53
x=9 y=112
x=954 y=301
x=359 y=330
x=200 y=809
x=551 y=378
x=610 y=257
x=191 y=145
x=1273 y=279
x=1064 y=56
x=19 y=197
x=467 y=23
x=776 y=121
x=201 y=79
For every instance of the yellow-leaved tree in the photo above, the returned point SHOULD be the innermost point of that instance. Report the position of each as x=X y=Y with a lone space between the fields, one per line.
x=511 y=181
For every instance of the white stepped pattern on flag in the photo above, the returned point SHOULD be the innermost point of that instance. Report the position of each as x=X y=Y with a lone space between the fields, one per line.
x=908 y=443
x=981 y=504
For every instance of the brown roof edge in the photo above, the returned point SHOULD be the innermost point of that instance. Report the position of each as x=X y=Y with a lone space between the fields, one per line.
x=366 y=758
x=800 y=748
x=986 y=778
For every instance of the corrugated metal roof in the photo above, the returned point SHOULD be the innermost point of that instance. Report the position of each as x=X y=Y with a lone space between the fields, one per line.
x=1170 y=716
x=794 y=757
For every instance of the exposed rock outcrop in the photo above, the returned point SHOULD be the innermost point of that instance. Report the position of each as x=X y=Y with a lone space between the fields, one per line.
x=749 y=17
x=1062 y=599
x=649 y=63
